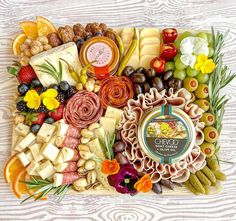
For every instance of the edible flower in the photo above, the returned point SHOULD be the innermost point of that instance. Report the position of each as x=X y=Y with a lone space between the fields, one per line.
x=205 y=65
x=110 y=167
x=144 y=184
x=124 y=180
x=49 y=99
x=33 y=99
x=190 y=48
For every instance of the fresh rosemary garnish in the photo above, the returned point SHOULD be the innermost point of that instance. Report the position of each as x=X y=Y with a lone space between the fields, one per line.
x=48 y=68
x=220 y=78
x=43 y=188
x=108 y=144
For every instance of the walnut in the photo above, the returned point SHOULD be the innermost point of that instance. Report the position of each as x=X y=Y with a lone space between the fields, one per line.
x=78 y=29
x=103 y=26
x=111 y=35
x=66 y=34
x=54 y=40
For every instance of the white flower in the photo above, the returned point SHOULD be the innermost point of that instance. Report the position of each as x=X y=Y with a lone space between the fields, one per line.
x=190 y=48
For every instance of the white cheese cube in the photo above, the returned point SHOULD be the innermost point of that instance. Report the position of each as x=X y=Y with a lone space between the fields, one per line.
x=100 y=133
x=23 y=158
x=27 y=141
x=113 y=112
x=45 y=133
x=58 y=179
x=31 y=169
x=49 y=151
x=109 y=124
x=96 y=148
x=16 y=147
x=22 y=129
x=29 y=155
x=46 y=170
x=35 y=150
x=65 y=154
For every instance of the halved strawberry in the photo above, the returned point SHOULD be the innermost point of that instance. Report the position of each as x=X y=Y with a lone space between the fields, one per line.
x=35 y=118
x=58 y=113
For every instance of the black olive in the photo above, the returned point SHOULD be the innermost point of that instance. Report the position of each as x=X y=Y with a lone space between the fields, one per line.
x=128 y=71
x=119 y=147
x=168 y=75
x=121 y=159
x=150 y=73
x=157 y=82
x=138 y=78
x=146 y=87
x=140 y=70
x=157 y=188
x=137 y=90
x=64 y=86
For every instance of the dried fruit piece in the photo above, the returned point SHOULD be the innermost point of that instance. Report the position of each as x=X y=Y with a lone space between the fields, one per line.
x=18 y=41
x=44 y=26
x=29 y=28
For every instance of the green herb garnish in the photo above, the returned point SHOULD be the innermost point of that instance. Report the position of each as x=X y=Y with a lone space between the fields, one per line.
x=108 y=144
x=44 y=187
x=48 y=68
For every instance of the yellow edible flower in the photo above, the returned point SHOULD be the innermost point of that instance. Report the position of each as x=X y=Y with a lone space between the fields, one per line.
x=33 y=99
x=205 y=65
x=49 y=99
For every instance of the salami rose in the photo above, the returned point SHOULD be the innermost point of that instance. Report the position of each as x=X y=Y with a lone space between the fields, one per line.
x=115 y=91
x=83 y=109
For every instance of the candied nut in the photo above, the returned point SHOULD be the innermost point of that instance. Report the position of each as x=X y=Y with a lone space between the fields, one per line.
x=24 y=47
x=89 y=86
x=35 y=50
x=47 y=47
x=78 y=28
x=36 y=43
x=41 y=48
x=24 y=61
x=79 y=86
x=89 y=165
x=103 y=26
x=96 y=88
x=66 y=34
x=54 y=40
x=87 y=133
x=84 y=140
x=111 y=35
x=91 y=177
x=28 y=41
x=79 y=189
x=93 y=126
x=85 y=154
x=83 y=147
x=43 y=40
x=19 y=119
x=81 y=162
x=27 y=52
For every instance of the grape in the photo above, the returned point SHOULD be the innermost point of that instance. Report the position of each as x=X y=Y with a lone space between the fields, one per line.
x=190 y=84
x=180 y=74
x=202 y=35
x=177 y=56
x=191 y=72
x=177 y=43
x=211 y=52
x=181 y=37
x=202 y=78
x=179 y=65
x=170 y=66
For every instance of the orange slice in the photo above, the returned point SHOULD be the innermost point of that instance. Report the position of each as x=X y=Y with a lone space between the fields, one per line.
x=29 y=28
x=18 y=187
x=18 y=41
x=12 y=168
x=44 y=26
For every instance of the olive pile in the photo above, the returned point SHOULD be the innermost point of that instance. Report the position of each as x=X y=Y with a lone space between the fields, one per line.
x=144 y=79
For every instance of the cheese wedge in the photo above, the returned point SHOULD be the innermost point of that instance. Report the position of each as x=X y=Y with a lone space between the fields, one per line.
x=45 y=133
x=114 y=113
x=49 y=151
x=27 y=141
x=149 y=32
x=109 y=124
x=22 y=129
x=96 y=148
x=46 y=170
x=151 y=49
x=31 y=169
x=145 y=61
x=67 y=52
x=35 y=150
x=23 y=159
x=100 y=133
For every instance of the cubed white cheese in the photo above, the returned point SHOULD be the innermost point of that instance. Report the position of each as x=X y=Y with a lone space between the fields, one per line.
x=46 y=169
x=49 y=151
x=27 y=141
x=16 y=147
x=29 y=155
x=65 y=154
x=35 y=150
x=109 y=124
x=31 y=169
x=96 y=148
x=45 y=133
x=23 y=158
x=113 y=112
x=58 y=179
x=22 y=129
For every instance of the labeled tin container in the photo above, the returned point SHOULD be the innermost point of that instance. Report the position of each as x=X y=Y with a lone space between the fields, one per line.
x=166 y=134
x=104 y=54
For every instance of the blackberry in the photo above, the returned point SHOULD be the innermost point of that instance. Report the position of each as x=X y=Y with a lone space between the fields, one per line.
x=42 y=109
x=61 y=97
x=21 y=106
x=55 y=86
x=72 y=90
x=41 y=90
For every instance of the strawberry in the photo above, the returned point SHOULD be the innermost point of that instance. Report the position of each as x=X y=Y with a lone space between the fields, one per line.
x=24 y=74
x=35 y=118
x=58 y=113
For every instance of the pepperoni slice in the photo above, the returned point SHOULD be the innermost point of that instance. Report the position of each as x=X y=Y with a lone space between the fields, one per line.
x=83 y=109
x=115 y=91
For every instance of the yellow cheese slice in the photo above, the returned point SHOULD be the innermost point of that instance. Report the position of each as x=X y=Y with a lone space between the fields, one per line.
x=151 y=49
x=145 y=61
x=149 y=40
x=149 y=32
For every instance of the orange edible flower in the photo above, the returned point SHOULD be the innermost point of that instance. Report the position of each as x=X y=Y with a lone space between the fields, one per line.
x=144 y=184
x=110 y=167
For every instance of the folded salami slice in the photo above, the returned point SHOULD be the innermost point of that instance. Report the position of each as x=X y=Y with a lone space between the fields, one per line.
x=73 y=132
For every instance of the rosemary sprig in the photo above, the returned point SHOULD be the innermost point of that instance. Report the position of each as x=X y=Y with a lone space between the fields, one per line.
x=48 y=68
x=44 y=187
x=220 y=78
x=108 y=144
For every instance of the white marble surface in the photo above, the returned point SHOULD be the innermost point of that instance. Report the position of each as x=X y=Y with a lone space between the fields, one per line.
x=194 y=14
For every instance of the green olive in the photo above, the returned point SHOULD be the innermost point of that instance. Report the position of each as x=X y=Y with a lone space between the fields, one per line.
x=208 y=119
x=203 y=104
x=190 y=84
x=201 y=91
x=208 y=149
x=210 y=134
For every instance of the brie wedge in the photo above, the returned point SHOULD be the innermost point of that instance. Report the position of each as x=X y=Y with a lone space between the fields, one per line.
x=65 y=154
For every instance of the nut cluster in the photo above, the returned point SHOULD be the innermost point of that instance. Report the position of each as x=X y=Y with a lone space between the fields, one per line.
x=91 y=85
